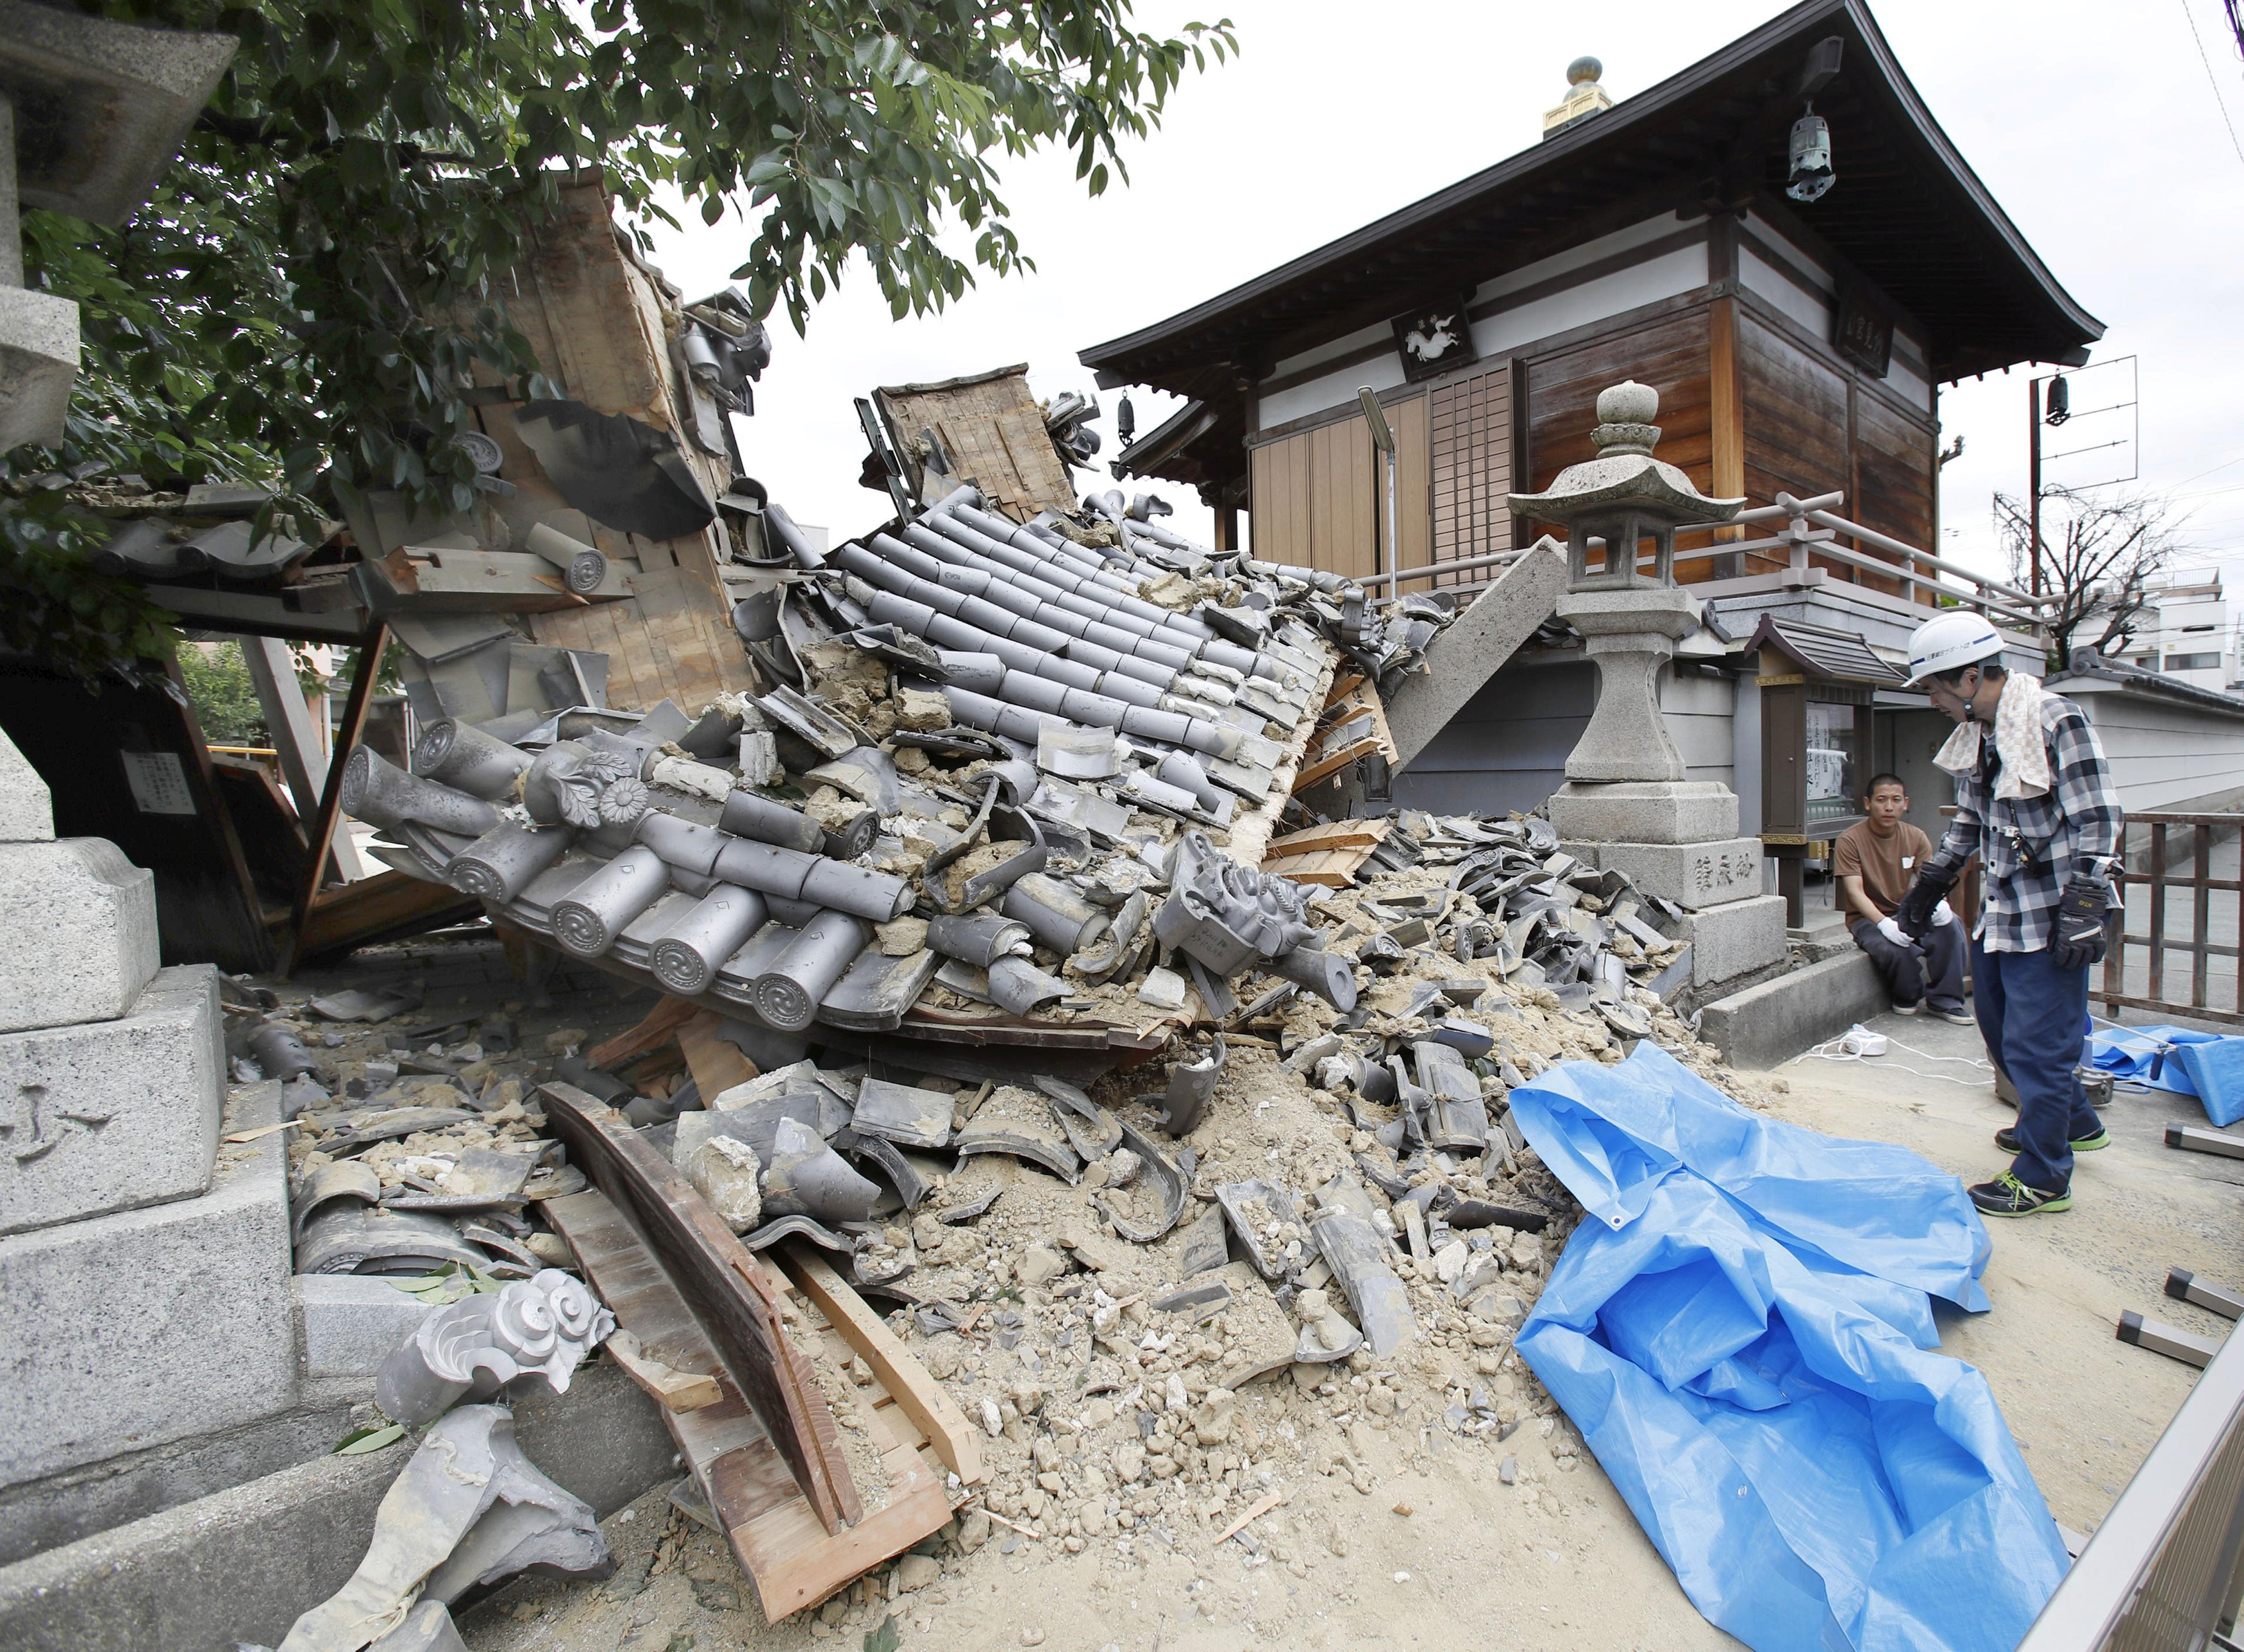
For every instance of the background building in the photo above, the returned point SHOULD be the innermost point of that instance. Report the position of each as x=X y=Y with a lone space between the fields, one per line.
x=2189 y=634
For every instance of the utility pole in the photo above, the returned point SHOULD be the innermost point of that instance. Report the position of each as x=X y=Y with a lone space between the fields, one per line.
x=2033 y=483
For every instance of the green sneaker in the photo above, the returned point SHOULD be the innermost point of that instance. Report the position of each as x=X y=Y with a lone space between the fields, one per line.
x=2007 y=1195
x=2007 y=1139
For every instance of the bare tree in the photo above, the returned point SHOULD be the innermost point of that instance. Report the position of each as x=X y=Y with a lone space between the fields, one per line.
x=2099 y=559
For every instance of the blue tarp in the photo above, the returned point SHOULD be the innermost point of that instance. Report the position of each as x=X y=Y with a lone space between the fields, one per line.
x=1742 y=1329
x=2209 y=1066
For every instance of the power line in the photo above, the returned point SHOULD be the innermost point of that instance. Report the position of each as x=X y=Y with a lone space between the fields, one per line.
x=2210 y=81
x=2209 y=470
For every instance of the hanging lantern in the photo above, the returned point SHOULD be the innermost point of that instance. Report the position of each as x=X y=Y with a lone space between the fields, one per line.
x=1811 y=174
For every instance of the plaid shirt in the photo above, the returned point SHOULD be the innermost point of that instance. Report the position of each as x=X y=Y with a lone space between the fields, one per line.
x=2031 y=847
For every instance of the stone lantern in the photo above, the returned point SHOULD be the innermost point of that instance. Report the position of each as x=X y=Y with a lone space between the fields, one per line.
x=90 y=113
x=1626 y=804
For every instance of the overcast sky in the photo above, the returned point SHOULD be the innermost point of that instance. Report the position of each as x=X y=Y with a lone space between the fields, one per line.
x=2096 y=125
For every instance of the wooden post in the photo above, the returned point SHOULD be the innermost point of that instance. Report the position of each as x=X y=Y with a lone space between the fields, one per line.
x=273 y=670
x=1728 y=413
x=2158 y=982
x=320 y=830
x=2201 y=914
x=2115 y=958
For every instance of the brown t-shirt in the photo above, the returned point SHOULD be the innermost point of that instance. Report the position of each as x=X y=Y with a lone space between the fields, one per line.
x=1886 y=866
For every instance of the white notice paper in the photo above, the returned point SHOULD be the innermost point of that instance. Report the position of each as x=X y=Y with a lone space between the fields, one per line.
x=159 y=784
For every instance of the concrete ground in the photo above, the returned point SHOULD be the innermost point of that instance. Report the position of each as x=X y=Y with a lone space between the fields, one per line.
x=2084 y=1407
x=1558 y=1560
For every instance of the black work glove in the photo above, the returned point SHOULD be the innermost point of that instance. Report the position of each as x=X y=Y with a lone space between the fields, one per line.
x=1915 y=912
x=2075 y=939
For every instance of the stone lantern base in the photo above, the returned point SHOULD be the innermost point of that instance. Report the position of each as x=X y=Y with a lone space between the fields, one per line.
x=1679 y=840
x=1645 y=812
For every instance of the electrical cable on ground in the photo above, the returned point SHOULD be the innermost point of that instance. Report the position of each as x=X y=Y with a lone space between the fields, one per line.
x=1858 y=1043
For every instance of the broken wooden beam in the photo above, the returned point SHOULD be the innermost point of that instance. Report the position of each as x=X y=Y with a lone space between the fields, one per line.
x=732 y=1305
x=1330 y=854
x=793 y=1560
x=908 y=1382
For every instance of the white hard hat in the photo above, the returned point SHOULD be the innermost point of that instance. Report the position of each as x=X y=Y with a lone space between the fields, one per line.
x=1949 y=641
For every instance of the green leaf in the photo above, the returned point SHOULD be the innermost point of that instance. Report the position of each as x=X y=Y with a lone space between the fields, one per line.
x=887 y=1638
x=369 y=1440
x=322 y=264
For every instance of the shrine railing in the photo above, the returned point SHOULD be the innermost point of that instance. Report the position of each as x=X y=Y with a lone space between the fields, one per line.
x=1795 y=535
x=2137 y=965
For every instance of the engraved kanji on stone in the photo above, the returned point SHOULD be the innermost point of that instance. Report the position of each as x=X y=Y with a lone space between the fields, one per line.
x=35 y=1130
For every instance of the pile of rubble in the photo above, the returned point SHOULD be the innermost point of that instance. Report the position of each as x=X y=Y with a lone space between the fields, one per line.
x=988 y=836
x=941 y=797
x=1336 y=1199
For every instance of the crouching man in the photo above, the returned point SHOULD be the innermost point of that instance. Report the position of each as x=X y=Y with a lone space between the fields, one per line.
x=1876 y=861
x=2034 y=798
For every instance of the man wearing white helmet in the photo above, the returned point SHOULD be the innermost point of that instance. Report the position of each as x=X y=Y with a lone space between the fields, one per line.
x=2033 y=797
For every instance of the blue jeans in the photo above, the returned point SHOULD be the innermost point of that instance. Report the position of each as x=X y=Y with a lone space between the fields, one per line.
x=2032 y=1013
x=1933 y=968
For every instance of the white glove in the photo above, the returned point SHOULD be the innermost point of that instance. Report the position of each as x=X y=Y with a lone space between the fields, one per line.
x=1941 y=916
x=1894 y=933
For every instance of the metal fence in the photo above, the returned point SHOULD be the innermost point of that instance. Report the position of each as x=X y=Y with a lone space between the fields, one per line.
x=2158 y=930
x=2161 y=1573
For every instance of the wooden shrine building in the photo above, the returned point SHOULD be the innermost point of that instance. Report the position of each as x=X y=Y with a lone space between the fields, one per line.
x=1797 y=345
x=1797 y=319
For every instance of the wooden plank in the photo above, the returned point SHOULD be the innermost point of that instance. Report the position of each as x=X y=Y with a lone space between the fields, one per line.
x=1413 y=522
x=792 y=1560
x=795 y=1568
x=669 y=1388
x=732 y=1305
x=387 y=907
x=1329 y=876
x=657 y=1027
x=1385 y=735
x=1334 y=834
x=716 y=1064
x=897 y=1425
x=914 y=1392
x=1312 y=772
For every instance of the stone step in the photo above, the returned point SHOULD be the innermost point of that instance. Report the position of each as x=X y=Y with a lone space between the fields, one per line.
x=80 y=920
x=1771 y=1023
x=1736 y=938
x=241 y=1564
x=129 y=1331
x=114 y=1116
x=347 y=1325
